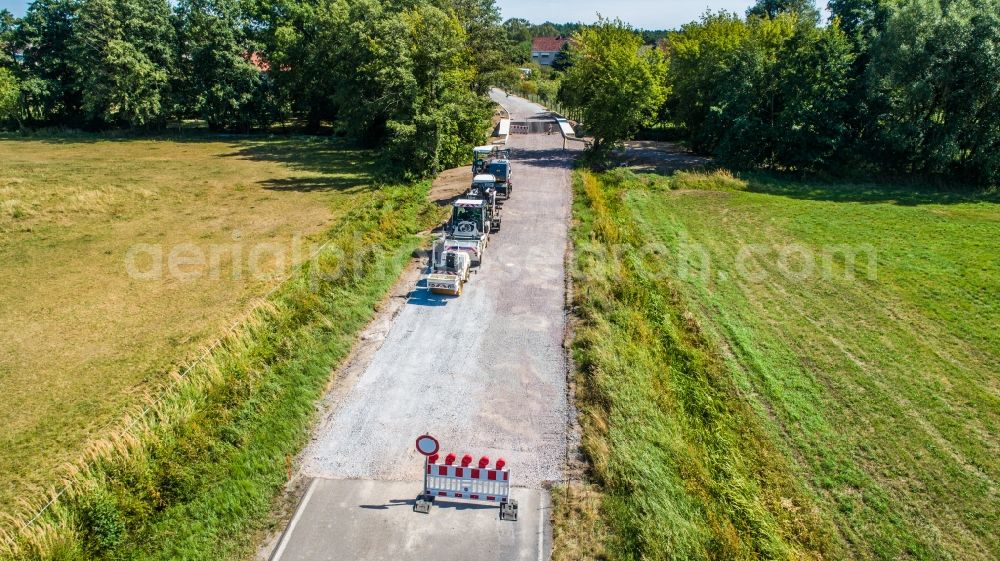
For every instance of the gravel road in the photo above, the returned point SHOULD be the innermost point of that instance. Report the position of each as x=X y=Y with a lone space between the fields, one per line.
x=485 y=372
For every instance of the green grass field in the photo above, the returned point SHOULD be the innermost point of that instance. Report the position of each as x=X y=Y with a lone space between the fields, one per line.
x=790 y=370
x=83 y=341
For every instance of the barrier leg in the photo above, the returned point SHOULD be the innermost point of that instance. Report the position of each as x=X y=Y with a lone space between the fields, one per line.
x=423 y=503
x=508 y=510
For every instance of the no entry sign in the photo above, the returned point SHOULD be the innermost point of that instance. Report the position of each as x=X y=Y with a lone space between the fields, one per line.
x=427 y=445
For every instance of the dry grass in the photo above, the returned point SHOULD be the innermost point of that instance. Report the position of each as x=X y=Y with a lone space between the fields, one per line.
x=578 y=531
x=82 y=339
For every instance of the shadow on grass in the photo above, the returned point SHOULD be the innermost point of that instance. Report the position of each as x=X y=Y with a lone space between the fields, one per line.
x=317 y=184
x=899 y=192
x=662 y=157
x=76 y=136
x=332 y=164
x=340 y=165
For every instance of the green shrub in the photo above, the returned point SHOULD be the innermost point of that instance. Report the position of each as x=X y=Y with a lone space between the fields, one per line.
x=9 y=95
x=101 y=523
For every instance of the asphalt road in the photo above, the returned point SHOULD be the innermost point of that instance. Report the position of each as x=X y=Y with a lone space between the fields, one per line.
x=345 y=520
x=484 y=372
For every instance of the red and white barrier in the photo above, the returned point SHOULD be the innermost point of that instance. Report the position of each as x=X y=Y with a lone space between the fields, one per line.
x=463 y=481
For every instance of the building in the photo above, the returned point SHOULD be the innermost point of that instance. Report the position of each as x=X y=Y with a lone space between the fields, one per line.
x=544 y=49
x=258 y=60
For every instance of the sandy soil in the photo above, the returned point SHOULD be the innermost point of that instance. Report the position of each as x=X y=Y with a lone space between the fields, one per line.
x=450 y=184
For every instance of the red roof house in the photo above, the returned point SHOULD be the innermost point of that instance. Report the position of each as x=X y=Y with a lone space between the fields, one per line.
x=544 y=49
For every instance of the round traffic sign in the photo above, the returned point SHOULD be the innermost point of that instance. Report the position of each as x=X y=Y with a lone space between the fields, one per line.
x=427 y=445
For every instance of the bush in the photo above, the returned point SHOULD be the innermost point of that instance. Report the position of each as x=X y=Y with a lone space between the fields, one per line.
x=9 y=95
x=102 y=523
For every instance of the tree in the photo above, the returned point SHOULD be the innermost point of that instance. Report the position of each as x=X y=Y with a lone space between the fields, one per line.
x=518 y=30
x=10 y=92
x=773 y=8
x=615 y=84
x=485 y=41
x=699 y=58
x=447 y=117
x=742 y=121
x=562 y=61
x=938 y=68
x=861 y=20
x=123 y=57
x=518 y=33
x=380 y=89
x=8 y=29
x=220 y=80
x=768 y=92
x=814 y=73
x=51 y=93
x=547 y=29
x=312 y=49
x=409 y=75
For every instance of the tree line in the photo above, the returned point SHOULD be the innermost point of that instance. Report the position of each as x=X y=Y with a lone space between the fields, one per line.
x=886 y=86
x=520 y=32
x=410 y=75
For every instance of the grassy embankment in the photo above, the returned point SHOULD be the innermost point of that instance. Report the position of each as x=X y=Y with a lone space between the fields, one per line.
x=196 y=475
x=83 y=339
x=776 y=405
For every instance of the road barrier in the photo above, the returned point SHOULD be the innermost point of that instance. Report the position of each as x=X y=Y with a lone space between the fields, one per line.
x=519 y=128
x=480 y=483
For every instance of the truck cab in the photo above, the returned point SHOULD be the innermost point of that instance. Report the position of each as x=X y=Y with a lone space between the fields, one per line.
x=484 y=189
x=501 y=170
x=468 y=228
x=480 y=158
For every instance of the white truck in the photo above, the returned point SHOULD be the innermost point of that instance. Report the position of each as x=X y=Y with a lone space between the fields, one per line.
x=481 y=155
x=483 y=188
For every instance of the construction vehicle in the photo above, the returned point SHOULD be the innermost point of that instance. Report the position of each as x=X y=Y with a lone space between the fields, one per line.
x=480 y=157
x=460 y=247
x=500 y=169
x=483 y=155
x=484 y=189
x=468 y=229
x=450 y=268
